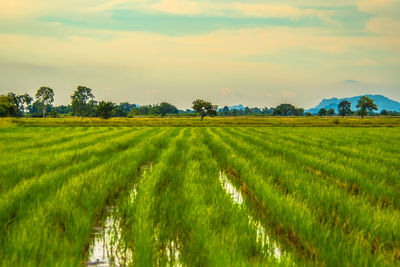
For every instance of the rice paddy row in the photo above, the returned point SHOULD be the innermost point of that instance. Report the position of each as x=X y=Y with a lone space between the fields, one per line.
x=73 y=196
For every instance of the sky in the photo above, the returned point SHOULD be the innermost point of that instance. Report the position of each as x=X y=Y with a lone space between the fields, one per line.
x=255 y=53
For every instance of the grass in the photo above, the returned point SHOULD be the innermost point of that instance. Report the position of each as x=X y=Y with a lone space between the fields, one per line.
x=323 y=195
x=216 y=121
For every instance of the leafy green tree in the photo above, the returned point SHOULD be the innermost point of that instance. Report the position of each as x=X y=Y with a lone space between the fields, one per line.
x=13 y=105
x=344 y=108
x=331 y=112
x=288 y=110
x=323 y=112
x=105 y=109
x=45 y=96
x=63 y=109
x=204 y=108
x=123 y=109
x=225 y=111
x=277 y=112
x=53 y=113
x=308 y=114
x=167 y=108
x=384 y=112
x=366 y=104
x=82 y=101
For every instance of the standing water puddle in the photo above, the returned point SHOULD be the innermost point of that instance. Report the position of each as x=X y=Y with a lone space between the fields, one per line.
x=107 y=248
x=173 y=253
x=269 y=248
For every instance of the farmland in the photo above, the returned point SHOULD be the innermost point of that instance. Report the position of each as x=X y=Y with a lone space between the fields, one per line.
x=200 y=196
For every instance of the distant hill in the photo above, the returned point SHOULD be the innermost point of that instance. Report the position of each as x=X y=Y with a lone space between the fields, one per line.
x=237 y=107
x=381 y=101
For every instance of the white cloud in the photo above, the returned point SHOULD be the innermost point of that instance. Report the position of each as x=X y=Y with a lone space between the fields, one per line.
x=384 y=26
x=380 y=7
x=226 y=91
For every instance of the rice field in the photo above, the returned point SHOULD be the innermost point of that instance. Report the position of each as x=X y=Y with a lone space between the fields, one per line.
x=199 y=196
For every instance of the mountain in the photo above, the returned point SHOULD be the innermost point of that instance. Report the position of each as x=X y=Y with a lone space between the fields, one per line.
x=237 y=107
x=381 y=101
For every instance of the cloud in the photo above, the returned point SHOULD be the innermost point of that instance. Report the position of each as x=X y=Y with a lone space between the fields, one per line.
x=351 y=81
x=380 y=7
x=215 y=8
x=288 y=94
x=226 y=91
x=384 y=26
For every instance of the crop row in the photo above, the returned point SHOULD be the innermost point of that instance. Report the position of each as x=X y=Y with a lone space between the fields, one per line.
x=201 y=196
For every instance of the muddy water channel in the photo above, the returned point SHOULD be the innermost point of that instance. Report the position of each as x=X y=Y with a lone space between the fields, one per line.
x=269 y=247
x=107 y=247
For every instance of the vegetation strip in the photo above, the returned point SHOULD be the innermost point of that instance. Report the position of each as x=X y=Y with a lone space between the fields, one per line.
x=23 y=167
x=351 y=222
x=223 y=196
x=42 y=188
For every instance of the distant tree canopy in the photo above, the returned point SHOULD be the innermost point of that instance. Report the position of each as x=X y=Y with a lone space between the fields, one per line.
x=344 y=108
x=167 y=108
x=322 y=112
x=123 y=109
x=162 y=109
x=288 y=110
x=105 y=110
x=83 y=103
x=366 y=104
x=225 y=111
x=204 y=108
x=12 y=105
x=67 y=110
x=45 y=96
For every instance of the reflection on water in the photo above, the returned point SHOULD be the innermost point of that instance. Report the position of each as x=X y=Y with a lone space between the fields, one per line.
x=235 y=195
x=173 y=253
x=108 y=248
x=269 y=248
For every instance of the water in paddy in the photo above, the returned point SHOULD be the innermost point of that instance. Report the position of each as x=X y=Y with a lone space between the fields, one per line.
x=107 y=247
x=269 y=247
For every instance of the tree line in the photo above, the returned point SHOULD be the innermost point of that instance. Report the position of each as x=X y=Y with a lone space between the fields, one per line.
x=83 y=104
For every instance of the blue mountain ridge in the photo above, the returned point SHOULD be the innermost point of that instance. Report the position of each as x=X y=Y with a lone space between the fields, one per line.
x=381 y=101
x=237 y=107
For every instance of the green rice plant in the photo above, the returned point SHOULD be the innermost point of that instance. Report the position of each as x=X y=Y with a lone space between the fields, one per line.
x=71 y=211
x=326 y=199
x=17 y=167
x=365 y=178
x=292 y=220
x=33 y=192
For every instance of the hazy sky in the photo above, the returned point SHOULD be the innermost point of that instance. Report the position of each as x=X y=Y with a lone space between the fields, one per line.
x=257 y=53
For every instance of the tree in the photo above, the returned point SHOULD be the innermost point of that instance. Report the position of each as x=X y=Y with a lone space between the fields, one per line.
x=81 y=105
x=45 y=96
x=344 y=108
x=323 y=112
x=384 y=112
x=123 y=109
x=204 y=108
x=53 y=113
x=288 y=110
x=13 y=105
x=105 y=109
x=277 y=112
x=366 y=104
x=167 y=108
x=225 y=111
x=331 y=112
